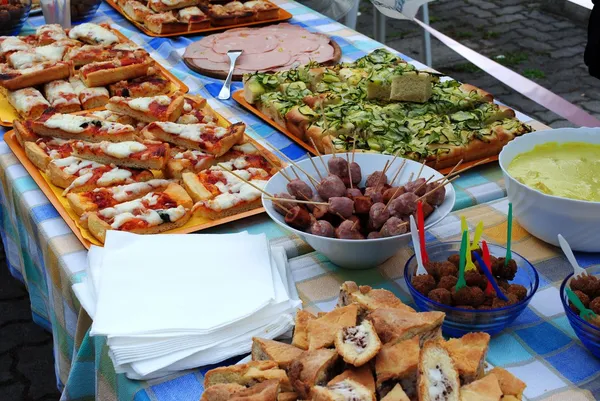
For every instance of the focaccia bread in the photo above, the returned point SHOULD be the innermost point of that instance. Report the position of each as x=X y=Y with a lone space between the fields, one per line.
x=136 y=10
x=90 y=98
x=187 y=161
x=164 y=23
x=39 y=74
x=166 y=5
x=152 y=85
x=101 y=198
x=108 y=72
x=153 y=213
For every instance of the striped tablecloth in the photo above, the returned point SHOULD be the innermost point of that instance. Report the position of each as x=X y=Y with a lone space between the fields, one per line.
x=42 y=252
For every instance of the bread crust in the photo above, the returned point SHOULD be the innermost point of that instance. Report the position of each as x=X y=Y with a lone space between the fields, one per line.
x=61 y=70
x=468 y=354
x=323 y=330
x=240 y=208
x=172 y=113
x=312 y=368
x=393 y=325
x=112 y=75
x=282 y=353
x=156 y=160
x=36 y=155
x=23 y=132
x=300 y=338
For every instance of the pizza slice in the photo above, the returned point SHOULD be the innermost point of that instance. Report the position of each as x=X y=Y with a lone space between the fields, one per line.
x=152 y=85
x=24 y=59
x=194 y=17
x=62 y=96
x=167 y=5
x=90 y=98
x=108 y=72
x=28 y=102
x=44 y=150
x=101 y=198
x=111 y=116
x=93 y=34
x=195 y=111
x=23 y=132
x=153 y=213
x=164 y=23
x=69 y=126
x=207 y=137
x=50 y=33
x=147 y=154
x=78 y=175
x=262 y=10
x=136 y=10
x=149 y=109
x=218 y=193
x=186 y=160
x=246 y=156
x=231 y=13
x=11 y=44
x=38 y=74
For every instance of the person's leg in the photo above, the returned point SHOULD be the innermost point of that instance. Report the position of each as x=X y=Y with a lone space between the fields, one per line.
x=592 y=50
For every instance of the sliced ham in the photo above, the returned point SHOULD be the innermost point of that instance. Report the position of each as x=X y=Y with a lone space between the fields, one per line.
x=194 y=51
x=208 y=65
x=250 y=44
x=264 y=62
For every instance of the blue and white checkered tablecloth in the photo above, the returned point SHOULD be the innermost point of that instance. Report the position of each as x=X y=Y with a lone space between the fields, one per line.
x=42 y=252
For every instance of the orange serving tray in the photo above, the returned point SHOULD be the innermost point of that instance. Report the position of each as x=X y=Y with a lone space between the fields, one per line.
x=283 y=16
x=238 y=96
x=8 y=113
x=53 y=193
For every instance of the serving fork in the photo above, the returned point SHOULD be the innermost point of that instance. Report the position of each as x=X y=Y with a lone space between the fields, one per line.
x=225 y=92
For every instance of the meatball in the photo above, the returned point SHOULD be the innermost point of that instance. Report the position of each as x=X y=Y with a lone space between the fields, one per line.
x=508 y=272
x=330 y=187
x=503 y=284
x=518 y=290
x=423 y=283
x=446 y=269
x=441 y=296
x=585 y=300
x=454 y=259
x=447 y=282
x=472 y=296
x=589 y=285
x=279 y=206
x=417 y=184
x=498 y=303
x=432 y=268
x=374 y=235
x=376 y=178
x=595 y=305
x=474 y=278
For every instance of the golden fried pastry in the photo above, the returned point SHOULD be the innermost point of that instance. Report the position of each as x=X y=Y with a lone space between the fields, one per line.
x=322 y=331
x=397 y=394
x=362 y=375
x=437 y=378
x=282 y=353
x=398 y=363
x=300 y=338
x=248 y=374
x=393 y=325
x=357 y=345
x=369 y=299
x=265 y=391
x=468 y=354
x=486 y=389
x=346 y=390
x=510 y=385
x=310 y=369
x=221 y=392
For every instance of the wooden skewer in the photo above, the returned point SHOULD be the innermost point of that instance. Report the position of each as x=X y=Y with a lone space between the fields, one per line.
x=470 y=167
x=394 y=159
x=392 y=198
x=315 y=166
x=319 y=155
x=245 y=180
x=349 y=173
x=436 y=188
x=410 y=177
x=353 y=148
x=354 y=225
x=425 y=183
x=421 y=169
x=275 y=199
x=382 y=174
x=454 y=168
x=311 y=178
x=271 y=162
x=398 y=172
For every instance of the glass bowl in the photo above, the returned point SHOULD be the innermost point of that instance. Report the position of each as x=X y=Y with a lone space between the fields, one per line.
x=13 y=14
x=83 y=9
x=460 y=321
x=587 y=332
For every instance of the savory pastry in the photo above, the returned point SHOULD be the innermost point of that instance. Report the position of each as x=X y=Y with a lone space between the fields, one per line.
x=369 y=299
x=323 y=330
x=265 y=391
x=357 y=345
x=397 y=363
x=362 y=375
x=300 y=338
x=287 y=396
x=312 y=368
x=166 y=5
x=164 y=23
x=194 y=17
x=282 y=353
x=468 y=353
x=221 y=392
x=187 y=161
x=69 y=126
x=38 y=74
x=104 y=73
x=107 y=115
x=510 y=385
x=486 y=389
x=134 y=154
x=393 y=325
x=346 y=390
x=248 y=374
x=152 y=85
x=28 y=102
x=396 y=394
x=101 y=198
x=206 y=137
x=148 y=109
x=437 y=377
x=90 y=98
x=93 y=34
x=62 y=96
x=136 y=10
x=44 y=150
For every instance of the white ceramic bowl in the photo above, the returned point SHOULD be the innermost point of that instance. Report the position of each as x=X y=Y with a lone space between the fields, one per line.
x=546 y=216
x=359 y=254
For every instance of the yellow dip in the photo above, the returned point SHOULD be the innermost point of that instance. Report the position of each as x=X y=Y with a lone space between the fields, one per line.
x=569 y=170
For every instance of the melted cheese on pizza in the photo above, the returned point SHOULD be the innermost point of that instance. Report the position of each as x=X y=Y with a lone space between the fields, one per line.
x=53 y=52
x=185 y=15
x=123 y=192
x=13 y=44
x=25 y=59
x=24 y=100
x=51 y=31
x=60 y=92
x=73 y=165
x=143 y=103
x=85 y=93
x=247 y=148
x=113 y=176
x=77 y=124
x=232 y=190
x=193 y=132
x=152 y=209
x=120 y=150
x=93 y=33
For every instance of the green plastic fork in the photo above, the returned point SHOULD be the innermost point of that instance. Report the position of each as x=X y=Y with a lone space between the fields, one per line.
x=585 y=313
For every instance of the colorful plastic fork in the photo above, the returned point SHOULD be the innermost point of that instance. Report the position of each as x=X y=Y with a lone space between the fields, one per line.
x=465 y=228
x=486 y=269
x=566 y=248
x=584 y=313
x=464 y=249
x=477 y=236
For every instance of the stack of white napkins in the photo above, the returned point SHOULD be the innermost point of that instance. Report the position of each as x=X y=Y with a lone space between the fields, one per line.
x=172 y=302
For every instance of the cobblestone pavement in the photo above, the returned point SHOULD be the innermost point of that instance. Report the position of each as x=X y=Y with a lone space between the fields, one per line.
x=26 y=360
x=517 y=33
x=542 y=46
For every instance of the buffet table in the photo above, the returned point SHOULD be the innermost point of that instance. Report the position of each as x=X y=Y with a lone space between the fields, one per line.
x=539 y=347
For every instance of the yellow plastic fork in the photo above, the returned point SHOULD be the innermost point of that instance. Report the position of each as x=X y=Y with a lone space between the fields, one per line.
x=469 y=260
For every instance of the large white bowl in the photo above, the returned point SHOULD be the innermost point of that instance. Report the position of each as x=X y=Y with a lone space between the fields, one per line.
x=359 y=254
x=545 y=216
